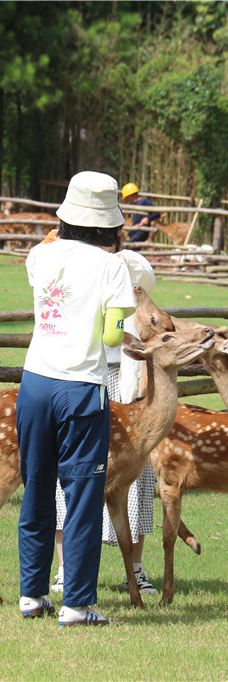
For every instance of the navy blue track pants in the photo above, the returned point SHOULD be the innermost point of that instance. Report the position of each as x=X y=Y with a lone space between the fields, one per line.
x=63 y=429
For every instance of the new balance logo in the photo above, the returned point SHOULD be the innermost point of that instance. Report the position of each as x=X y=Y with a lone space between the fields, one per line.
x=99 y=469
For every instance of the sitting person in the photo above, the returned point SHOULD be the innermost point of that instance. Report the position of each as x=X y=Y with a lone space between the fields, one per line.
x=130 y=195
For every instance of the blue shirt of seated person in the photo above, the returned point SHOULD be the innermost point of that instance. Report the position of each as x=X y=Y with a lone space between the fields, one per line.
x=140 y=235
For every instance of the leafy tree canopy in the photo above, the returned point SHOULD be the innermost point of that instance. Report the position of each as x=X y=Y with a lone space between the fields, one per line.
x=93 y=78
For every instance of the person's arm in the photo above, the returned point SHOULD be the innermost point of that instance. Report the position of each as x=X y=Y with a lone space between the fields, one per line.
x=118 y=301
x=113 y=327
x=152 y=215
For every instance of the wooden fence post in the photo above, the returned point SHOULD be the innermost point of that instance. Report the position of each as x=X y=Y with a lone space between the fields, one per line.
x=218 y=234
x=190 y=231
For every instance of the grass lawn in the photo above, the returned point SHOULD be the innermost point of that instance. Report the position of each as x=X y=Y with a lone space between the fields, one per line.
x=186 y=641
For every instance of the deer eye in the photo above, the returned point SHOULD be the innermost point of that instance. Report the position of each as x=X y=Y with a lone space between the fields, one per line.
x=152 y=319
x=167 y=337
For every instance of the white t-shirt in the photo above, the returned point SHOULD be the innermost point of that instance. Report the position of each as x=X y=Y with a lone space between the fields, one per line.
x=74 y=283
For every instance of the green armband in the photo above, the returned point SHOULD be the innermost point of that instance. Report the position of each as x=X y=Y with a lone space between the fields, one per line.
x=113 y=327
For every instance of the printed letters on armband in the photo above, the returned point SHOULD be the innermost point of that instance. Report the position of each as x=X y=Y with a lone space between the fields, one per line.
x=119 y=324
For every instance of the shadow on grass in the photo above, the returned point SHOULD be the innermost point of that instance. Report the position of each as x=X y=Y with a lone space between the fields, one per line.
x=184 y=612
x=182 y=586
x=116 y=603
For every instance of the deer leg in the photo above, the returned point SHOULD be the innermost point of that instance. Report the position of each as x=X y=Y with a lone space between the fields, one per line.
x=188 y=538
x=117 y=506
x=171 y=500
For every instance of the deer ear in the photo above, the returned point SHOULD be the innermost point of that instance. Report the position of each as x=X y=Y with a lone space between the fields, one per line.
x=130 y=339
x=134 y=353
x=133 y=347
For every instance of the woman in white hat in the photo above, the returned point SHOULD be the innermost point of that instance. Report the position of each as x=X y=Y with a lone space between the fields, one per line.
x=81 y=296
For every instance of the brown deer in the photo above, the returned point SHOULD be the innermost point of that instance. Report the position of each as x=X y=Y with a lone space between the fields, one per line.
x=194 y=454
x=135 y=429
x=9 y=454
x=177 y=231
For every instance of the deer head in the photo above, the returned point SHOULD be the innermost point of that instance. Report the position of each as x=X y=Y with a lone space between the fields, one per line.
x=149 y=318
x=173 y=349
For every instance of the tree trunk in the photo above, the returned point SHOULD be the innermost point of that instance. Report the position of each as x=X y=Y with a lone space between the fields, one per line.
x=1 y=134
x=18 y=147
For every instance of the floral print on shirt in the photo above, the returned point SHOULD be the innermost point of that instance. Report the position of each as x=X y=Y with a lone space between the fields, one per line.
x=54 y=296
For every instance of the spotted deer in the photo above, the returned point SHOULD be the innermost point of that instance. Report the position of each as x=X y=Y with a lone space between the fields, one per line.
x=135 y=429
x=194 y=454
x=9 y=454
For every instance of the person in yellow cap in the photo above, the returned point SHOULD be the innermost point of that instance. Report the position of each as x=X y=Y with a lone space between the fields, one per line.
x=130 y=195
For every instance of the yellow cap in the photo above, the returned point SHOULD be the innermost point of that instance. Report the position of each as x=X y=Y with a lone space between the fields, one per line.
x=129 y=189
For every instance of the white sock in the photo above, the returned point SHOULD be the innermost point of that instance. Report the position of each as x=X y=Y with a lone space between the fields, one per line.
x=60 y=571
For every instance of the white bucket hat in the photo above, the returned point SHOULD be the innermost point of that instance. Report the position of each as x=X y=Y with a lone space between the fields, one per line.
x=91 y=201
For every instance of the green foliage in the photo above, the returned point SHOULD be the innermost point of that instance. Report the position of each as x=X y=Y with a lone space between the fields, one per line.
x=94 y=79
x=183 y=86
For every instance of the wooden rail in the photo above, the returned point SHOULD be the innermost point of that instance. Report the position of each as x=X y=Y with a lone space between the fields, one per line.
x=132 y=208
x=185 y=388
x=126 y=208
x=212 y=311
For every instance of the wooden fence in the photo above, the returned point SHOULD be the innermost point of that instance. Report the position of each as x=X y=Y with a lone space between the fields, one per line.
x=176 y=262
x=191 y=387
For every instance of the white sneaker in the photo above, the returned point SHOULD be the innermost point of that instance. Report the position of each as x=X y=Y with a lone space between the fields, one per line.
x=58 y=582
x=35 y=608
x=143 y=583
x=85 y=615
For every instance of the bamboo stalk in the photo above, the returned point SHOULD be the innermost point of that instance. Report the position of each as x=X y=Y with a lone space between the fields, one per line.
x=29 y=202
x=28 y=221
x=16 y=252
x=131 y=208
x=214 y=311
x=216 y=268
x=13 y=236
x=11 y=374
x=196 y=311
x=16 y=315
x=159 y=245
x=15 y=340
x=196 y=387
x=189 y=278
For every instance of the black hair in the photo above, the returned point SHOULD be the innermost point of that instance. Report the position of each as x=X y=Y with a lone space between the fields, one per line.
x=96 y=236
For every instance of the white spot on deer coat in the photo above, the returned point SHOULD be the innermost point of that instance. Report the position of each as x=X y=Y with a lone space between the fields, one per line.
x=179 y=451
x=7 y=411
x=208 y=466
x=117 y=436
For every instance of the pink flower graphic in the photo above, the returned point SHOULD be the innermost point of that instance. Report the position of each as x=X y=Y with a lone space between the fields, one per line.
x=55 y=294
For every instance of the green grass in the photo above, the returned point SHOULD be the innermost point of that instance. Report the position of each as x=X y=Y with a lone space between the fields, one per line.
x=188 y=640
